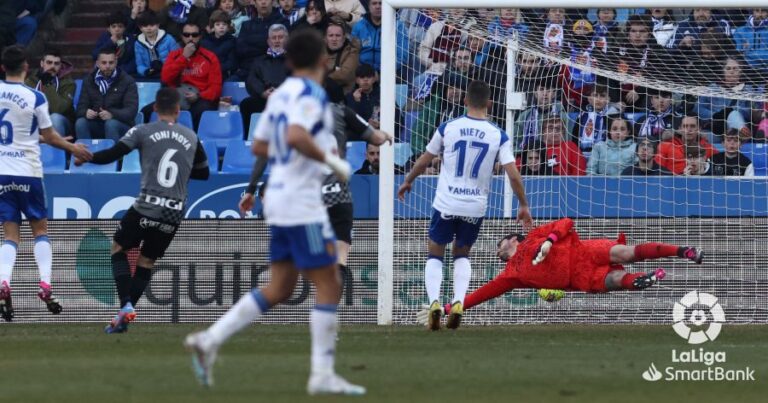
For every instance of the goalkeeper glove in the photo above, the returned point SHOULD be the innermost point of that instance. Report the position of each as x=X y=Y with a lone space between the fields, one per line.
x=339 y=166
x=544 y=249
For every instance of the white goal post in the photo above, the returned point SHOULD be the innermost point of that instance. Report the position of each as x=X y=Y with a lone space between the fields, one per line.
x=386 y=219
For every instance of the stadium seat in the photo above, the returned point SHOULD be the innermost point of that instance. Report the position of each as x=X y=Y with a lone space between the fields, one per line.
x=409 y=124
x=78 y=90
x=185 y=119
x=403 y=153
x=131 y=163
x=401 y=95
x=220 y=127
x=94 y=145
x=758 y=153
x=147 y=91
x=356 y=154
x=254 y=121
x=236 y=90
x=139 y=118
x=54 y=160
x=213 y=156
x=238 y=158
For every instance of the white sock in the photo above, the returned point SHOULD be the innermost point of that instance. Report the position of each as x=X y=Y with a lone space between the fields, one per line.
x=462 y=273
x=433 y=278
x=245 y=311
x=44 y=258
x=323 y=326
x=7 y=260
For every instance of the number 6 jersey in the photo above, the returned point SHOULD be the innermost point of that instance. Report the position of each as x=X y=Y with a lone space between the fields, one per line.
x=23 y=111
x=469 y=148
x=168 y=153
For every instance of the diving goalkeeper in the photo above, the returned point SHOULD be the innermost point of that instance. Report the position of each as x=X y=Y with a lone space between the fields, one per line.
x=553 y=257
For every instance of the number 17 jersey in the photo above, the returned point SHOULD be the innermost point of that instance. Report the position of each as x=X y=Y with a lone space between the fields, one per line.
x=469 y=148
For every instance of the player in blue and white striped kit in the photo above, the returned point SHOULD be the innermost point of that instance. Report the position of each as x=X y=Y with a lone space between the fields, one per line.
x=470 y=146
x=296 y=133
x=24 y=120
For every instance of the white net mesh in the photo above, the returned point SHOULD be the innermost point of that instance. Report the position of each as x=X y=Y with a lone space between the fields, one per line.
x=647 y=122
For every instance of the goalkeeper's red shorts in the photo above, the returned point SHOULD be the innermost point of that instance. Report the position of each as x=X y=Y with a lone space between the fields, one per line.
x=589 y=276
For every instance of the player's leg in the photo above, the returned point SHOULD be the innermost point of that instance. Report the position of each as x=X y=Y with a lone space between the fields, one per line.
x=341 y=217
x=157 y=239
x=44 y=259
x=8 y=249
x=622 y=280
x=441 y=232
x=128 y=235
x=467 y=232
x=623 y=254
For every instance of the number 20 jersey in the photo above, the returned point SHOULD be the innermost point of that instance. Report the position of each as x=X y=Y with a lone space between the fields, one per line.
x=293 y=195
x=469 y=148
x=23 y=111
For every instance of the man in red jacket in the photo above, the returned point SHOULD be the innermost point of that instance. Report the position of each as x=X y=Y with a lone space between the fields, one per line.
x=673 y=153
x=564 y=157
x=553 y=257
x=195 y=71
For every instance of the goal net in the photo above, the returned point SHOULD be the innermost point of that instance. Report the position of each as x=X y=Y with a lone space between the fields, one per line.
x=596 y=103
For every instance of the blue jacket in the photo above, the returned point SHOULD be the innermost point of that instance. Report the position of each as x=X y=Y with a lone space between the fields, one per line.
x=370 y=41
x=497 y=31
x=753 y=42
x=690 y=27
x=224 y=48
x=708 y=106
x=165 y=44
x=126 y=59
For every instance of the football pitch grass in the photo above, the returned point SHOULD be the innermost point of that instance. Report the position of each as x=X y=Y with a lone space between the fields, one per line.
x=528 y=363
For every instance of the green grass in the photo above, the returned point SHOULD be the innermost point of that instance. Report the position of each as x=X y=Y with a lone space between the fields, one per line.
x=568 y=363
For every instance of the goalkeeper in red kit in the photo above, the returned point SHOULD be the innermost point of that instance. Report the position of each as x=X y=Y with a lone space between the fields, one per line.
x=553 y=257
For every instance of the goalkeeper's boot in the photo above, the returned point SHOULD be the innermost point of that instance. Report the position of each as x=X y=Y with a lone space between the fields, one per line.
x=119 y=324
x=435 y=314
x=203 y=356
x=454 y=316
x=649 y=279
x=45 y=293
x=6 y=306
x=332 y=384
x=693 y=254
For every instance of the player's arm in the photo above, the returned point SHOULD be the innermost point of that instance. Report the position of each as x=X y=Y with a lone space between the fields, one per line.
x=425 y=160
x=109 y=155
x=200 y=170
x=359 y=128
x=558 y=229
x=80 y=151
x=523 y=211
x=247 y=201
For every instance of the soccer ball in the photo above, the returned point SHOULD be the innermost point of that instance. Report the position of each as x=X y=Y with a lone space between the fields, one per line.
x=551 y=295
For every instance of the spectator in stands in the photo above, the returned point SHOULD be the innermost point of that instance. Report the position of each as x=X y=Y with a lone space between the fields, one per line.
x=646 y=163
x=196 y=72
x=578 y=83
x=528 y=127
x=444 y=37
x=722 y=114
x=368 y=32
x=371 y=163
x=221 y=42
x=563 y=156
x=115 y=36
x=53 y=80
x=348 y=11
x=343 y=54
x=658 y=123
x=553 y=33
x=696 y=163
x=460 y=65
x=266 y=74
x=236 y=14
x=730 y=162
x=130 y=13
x=180 y=12
x=613 y=156
x=109 y=100
x=752 y=39
x=607 y=29
x=688 y=35
x=314 y=16
x=26 y=24
x=290 y=12
x=534 y=160
x=672 y=153
x=506 y=23
x=152 y=46
x=592 y=124
x=635 y=57
x=7 y=26
x=445 y=103
x=664 y=27
x=529 y=73
x=364 y=100
x=252 y=41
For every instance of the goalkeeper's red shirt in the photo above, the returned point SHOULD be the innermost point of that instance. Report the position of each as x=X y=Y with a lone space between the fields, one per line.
x=572 y=264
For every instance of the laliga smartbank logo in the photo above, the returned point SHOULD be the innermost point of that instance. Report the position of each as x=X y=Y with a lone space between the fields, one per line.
x=698 y=318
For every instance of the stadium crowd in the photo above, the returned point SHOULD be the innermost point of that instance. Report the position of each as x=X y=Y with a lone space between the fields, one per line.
x=574 y=123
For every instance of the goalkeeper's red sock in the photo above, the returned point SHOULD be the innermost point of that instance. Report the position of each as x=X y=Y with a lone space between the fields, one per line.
x=654 y=250
x=627 y=282
x=491 y=290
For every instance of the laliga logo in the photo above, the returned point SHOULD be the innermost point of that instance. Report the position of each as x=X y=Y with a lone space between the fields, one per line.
x=698 y=317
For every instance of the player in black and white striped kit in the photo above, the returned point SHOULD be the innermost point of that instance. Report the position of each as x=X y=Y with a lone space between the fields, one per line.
x=348 y=126
x=171 y=154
